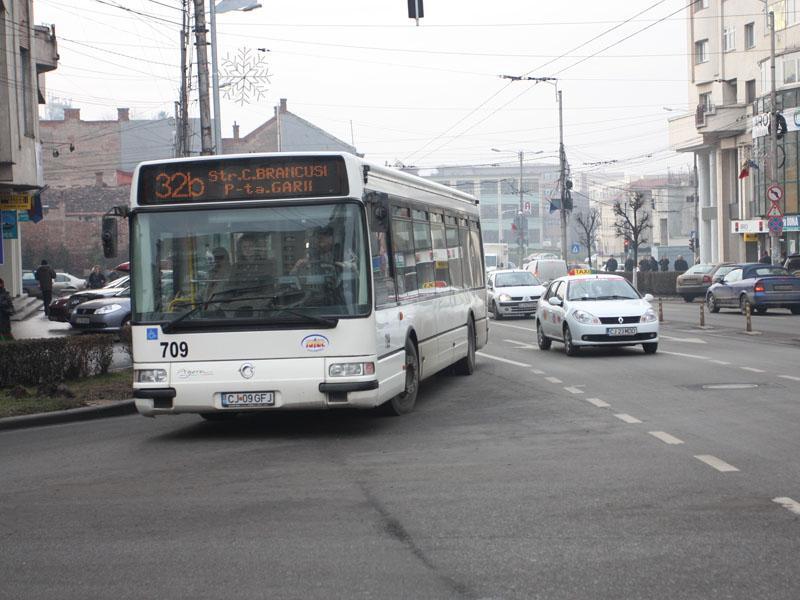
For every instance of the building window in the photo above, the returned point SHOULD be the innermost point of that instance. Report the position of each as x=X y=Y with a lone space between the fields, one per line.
x=700 y=52
x=750 y=35
x=750 y=91
x=28 y=102
x=700 y=5
x=705 y=102
x=729 y=38
x=789 y=71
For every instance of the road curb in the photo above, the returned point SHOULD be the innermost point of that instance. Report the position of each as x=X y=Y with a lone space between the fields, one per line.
x=84 y=413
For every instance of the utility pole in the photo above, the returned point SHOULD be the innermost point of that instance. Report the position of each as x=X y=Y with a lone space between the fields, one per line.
x=212 y=13
x=206 y=141
x=562 y=178
x=696 y=214
x=775 y=251
x=522 y=220
x=182 y=116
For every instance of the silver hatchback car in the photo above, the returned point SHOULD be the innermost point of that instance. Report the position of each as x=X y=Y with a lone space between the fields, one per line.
x=513 y=293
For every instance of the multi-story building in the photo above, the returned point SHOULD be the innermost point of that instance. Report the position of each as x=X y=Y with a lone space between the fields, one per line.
x=729 y=84
x=27 y=51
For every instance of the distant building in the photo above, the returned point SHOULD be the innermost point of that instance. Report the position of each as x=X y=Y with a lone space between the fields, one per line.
x=27 y=52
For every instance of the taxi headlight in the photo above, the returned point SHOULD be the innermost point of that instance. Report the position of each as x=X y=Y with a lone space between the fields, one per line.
x=649 y=316
x=104 y=310
x=150 y=375
x=581 y=316
x=505 y=298
x=351 y=369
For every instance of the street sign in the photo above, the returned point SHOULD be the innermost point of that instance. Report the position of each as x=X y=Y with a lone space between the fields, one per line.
x=775 y=225
x=774 y=192
x=575 y=248
x=526 y=208
x=774 y=210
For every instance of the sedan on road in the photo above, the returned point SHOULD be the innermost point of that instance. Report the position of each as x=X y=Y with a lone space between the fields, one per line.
x=103 y=314
x=64 y=283
x=696 y=281
x=61 y=308
x=513 y=293
x=755 y=287
x=595 y=310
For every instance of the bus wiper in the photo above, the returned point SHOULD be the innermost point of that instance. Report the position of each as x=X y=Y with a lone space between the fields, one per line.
x=325 y=321
x=170 y=325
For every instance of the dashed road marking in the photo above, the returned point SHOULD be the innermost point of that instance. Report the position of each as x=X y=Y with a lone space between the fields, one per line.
x=719 y=362
x=752 y=369
x=713 y=461
x=528 y=329
x=627 y=418
x=692 y=340
x=574 y=390
x=598 y=403
x=788 y=504
x=553 y=380
x=685 y=355
x=792 y=377
x=537 y=372
x=665 y=437
x=501 y=359
x=521 y=345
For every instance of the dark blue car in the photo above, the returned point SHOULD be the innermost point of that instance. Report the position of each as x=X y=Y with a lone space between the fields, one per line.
x=757 y=287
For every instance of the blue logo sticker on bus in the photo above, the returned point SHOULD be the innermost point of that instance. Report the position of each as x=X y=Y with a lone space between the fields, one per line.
x=152 y=333
x=315 y=343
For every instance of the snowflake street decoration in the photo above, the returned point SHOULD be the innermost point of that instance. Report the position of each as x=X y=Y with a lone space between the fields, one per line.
x=244 y=77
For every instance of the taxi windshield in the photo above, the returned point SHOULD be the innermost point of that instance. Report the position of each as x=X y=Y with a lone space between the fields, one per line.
x=518 y=279
x=601 y=289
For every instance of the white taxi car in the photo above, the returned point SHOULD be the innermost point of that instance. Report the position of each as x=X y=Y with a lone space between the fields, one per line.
x=595 y=310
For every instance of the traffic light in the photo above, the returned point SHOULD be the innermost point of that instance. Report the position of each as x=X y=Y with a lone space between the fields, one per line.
x=108 y=236
x=691 y=244
x=415 y=10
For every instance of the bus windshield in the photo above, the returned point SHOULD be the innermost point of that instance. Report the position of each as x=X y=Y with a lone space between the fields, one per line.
x=298 y=264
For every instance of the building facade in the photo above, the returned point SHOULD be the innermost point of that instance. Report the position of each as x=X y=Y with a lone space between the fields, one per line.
x=27 y=52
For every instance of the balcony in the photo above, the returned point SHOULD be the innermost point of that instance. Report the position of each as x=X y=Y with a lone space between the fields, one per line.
x=707 y=125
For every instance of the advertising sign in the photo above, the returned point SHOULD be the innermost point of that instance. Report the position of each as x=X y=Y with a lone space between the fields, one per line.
x=11 y=201
x=9 y=220
x=752 y=226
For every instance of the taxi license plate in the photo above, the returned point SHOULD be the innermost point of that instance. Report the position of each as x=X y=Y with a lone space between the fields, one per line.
x=82 y=320
x=248 y=398
x=621 y=331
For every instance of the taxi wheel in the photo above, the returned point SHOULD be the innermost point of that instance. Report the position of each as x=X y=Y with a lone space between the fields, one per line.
x=404 y=402
x=543 y=341
x=569 y=346
x=650 y=348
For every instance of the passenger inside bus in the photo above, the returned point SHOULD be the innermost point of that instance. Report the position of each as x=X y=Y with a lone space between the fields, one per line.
x=252 y=267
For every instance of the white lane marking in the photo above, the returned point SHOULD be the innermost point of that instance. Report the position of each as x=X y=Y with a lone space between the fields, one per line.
x=687 y=340
x=788 y=504
x=752 y=369
x=665 y=437
x=574 y=390
x=528 y=329
x=627 y=418
x=686 y=355
x=713 y=461
x=521 y=345
x=537 y=372
x=505 y=360
x=719 y=362
x=792 y=377
x=598 y=403
x=553 y=379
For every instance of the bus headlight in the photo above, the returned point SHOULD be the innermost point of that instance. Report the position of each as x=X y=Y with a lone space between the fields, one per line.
x=351 y=369
x=150 y=375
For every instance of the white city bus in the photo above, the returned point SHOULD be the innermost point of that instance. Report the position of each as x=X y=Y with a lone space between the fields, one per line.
x=297 y=281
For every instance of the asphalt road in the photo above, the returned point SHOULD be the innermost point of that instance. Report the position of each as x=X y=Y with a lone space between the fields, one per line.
x=608 y=475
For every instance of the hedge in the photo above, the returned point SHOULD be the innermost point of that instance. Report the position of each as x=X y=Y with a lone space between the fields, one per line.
x=53 y=360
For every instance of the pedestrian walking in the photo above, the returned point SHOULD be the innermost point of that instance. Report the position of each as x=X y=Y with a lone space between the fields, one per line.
x=629 y=264
x=653 y=263
x=611 y=265
x=96 y=278
x=765 y=258
x=45 y=276
x=6 y=310
x=664 y=263
x=680 y=264
x=644 y=265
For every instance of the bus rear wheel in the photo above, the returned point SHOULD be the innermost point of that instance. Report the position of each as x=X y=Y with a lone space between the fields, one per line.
x=466 y=366
x=404 y=402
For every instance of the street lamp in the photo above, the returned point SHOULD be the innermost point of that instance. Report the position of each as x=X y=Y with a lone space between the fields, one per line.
x=214 y=8
x=521 y=155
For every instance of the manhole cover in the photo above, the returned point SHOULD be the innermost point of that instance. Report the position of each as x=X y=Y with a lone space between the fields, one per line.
x=730 y=386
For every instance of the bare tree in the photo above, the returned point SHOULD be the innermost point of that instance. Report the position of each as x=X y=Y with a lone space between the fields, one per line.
x=587 y=224
x=632 y=222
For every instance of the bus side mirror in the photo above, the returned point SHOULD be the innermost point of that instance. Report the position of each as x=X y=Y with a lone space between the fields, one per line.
x=109 y=237
x=378 y=204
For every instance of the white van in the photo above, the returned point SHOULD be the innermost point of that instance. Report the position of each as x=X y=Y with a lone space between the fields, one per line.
x=547 y=269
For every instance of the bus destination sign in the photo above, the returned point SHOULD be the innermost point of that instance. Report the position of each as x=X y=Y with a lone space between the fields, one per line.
x=245 y=178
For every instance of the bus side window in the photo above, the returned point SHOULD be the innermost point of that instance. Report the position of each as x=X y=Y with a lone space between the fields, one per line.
x=476 y=255
x=440 y=259
x=454 y=258
x=424 y=257
x=385 y=291
x=463 y=236
x=405 y=264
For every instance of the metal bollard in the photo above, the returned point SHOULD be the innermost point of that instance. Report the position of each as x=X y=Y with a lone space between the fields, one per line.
x=748 y=322
x=702 y=314
x=660 y=310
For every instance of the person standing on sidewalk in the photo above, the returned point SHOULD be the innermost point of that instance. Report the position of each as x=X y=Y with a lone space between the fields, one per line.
x=6 y=310
x=96 y=278
x=45 y=276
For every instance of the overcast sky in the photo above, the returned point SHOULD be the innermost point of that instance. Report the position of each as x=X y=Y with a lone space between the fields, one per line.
x=425 y=96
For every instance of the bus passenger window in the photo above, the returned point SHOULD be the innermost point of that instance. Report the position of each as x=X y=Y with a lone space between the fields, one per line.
x=440 y=258
x=404 y=260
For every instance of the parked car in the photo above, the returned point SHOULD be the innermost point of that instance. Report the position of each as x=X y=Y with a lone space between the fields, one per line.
x=103 y=314
x=595 y=310
x=513 y=292
x=755 y=287
x=547 y=269
x=64 y=283
x=61 y=308
x=792 y=264
x=698 y=278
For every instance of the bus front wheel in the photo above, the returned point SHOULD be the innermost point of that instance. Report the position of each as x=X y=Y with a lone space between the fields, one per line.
x=404 y=402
